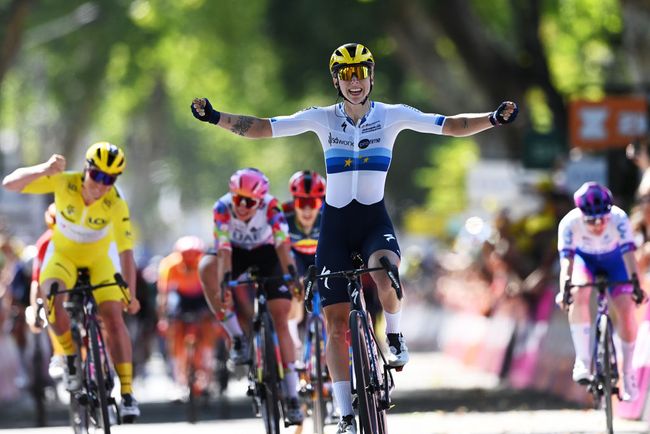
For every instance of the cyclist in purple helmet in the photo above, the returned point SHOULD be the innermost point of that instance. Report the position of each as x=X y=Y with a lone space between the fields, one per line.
x=595 y=238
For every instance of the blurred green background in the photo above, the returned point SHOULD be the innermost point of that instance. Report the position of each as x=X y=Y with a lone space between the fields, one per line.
x=76 y=72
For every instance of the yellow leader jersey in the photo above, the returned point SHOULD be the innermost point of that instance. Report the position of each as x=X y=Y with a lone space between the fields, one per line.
x=83 y=232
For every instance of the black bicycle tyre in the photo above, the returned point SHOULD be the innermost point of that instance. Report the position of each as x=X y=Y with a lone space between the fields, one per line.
x=38 y=382
x=221 y=370
x=316 y=377
x=192 y=402
x=367 y=400
x=96 y=359
x=605 y=339
x=270 y=379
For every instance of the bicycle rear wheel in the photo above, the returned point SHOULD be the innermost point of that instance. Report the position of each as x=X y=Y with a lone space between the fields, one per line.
x=270 y=392
x=605 y=342
x=369 y=413
x=100 y=379
x=316 y=377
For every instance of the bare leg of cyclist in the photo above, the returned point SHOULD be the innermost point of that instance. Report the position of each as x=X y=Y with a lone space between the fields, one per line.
x=119 y=346
x=60 y=325
x=392 y=305
x=624 y=318
x=336 y=353
x=580 y=325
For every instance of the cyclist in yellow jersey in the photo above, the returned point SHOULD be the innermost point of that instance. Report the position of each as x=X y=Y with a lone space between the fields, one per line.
x=92 y=230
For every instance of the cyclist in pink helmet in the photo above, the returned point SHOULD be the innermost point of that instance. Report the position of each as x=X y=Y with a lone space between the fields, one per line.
x=595 y=238
x=250 y=229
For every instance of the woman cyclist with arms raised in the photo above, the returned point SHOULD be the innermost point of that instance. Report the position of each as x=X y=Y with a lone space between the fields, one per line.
x=92 y=230
x=357 y=136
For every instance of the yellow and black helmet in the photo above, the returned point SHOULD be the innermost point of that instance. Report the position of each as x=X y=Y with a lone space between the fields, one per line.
x=106 y=157
x=351 y=54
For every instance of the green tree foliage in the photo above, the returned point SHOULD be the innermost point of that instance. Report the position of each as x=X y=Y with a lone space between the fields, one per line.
x=78 y=71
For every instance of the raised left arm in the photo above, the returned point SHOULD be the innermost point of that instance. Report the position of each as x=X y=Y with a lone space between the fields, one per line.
x=468 y=124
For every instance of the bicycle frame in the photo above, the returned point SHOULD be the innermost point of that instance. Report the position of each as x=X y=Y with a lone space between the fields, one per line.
x=86 y=332
x=604 y=364
x=265 y=378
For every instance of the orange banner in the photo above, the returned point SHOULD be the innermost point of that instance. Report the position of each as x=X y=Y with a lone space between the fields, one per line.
x=609 y=123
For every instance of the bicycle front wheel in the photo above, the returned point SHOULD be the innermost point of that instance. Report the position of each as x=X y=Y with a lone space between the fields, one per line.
x=369 y=413
x=605 y=354
x=100 y=381
x=270 y=392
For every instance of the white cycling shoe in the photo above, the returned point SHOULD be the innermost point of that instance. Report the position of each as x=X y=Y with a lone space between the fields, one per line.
x=399 y=353
x=581 y=373
x=347 y=425
x=631 y=387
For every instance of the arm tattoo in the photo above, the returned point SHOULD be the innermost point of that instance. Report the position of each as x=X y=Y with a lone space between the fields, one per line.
x=465 y=124
x=242 y=125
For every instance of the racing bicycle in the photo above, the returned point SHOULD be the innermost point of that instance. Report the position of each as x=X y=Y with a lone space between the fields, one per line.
x=371 y=383
x=92 y=406
x=604 y=365
x=265 y=373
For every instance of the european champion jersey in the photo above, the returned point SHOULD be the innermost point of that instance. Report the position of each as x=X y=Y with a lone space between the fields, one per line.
x=573 y=234
x=357 y=156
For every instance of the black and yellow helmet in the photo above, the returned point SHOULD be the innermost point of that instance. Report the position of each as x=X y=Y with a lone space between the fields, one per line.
x=351 y=54
x=106 y=157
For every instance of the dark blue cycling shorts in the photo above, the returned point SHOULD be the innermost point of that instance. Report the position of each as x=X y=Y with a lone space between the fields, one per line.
x=354 y=228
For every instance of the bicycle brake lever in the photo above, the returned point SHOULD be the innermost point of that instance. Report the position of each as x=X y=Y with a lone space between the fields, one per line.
x=309 y=284
x=393 y=275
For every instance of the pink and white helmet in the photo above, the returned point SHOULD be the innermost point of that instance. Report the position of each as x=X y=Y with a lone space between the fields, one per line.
x=249 y=182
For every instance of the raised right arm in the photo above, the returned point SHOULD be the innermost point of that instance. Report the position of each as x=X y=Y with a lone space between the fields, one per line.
x=242 y=125
x=23 y=176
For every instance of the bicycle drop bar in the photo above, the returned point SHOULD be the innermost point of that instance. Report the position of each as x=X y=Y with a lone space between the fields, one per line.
x=637 y=295
x=82 y=289
x=390 y=269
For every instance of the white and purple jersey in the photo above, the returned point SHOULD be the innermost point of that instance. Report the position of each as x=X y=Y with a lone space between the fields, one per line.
x=357 y=156
x=574 y=236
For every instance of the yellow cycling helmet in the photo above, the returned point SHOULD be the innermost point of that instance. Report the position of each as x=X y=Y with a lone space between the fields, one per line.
x=106 y=157
x=351 y=54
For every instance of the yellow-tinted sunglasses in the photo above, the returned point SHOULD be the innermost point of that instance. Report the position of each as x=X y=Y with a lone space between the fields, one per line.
x=346 y=73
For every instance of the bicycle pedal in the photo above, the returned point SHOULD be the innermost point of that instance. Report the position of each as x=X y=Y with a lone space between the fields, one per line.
x=585 y=382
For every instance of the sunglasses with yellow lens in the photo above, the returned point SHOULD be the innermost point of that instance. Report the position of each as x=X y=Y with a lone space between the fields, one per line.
x=346 y=73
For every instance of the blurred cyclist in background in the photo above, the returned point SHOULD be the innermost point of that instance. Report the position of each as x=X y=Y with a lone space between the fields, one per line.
x=180 y=301
x=307 y=190
x=595 y=238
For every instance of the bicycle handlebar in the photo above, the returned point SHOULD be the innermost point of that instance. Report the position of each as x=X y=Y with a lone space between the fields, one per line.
x=83 y=289
x=386 y=265
x=228 y=282
x=638 y=295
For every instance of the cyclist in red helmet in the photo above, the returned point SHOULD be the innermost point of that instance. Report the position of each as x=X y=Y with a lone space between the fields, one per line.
x=593 y=238
x=307 y=188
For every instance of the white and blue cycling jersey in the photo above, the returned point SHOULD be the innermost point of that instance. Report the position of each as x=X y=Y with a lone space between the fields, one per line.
x=597 y=254
x=357 y=156
x=573 y=234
